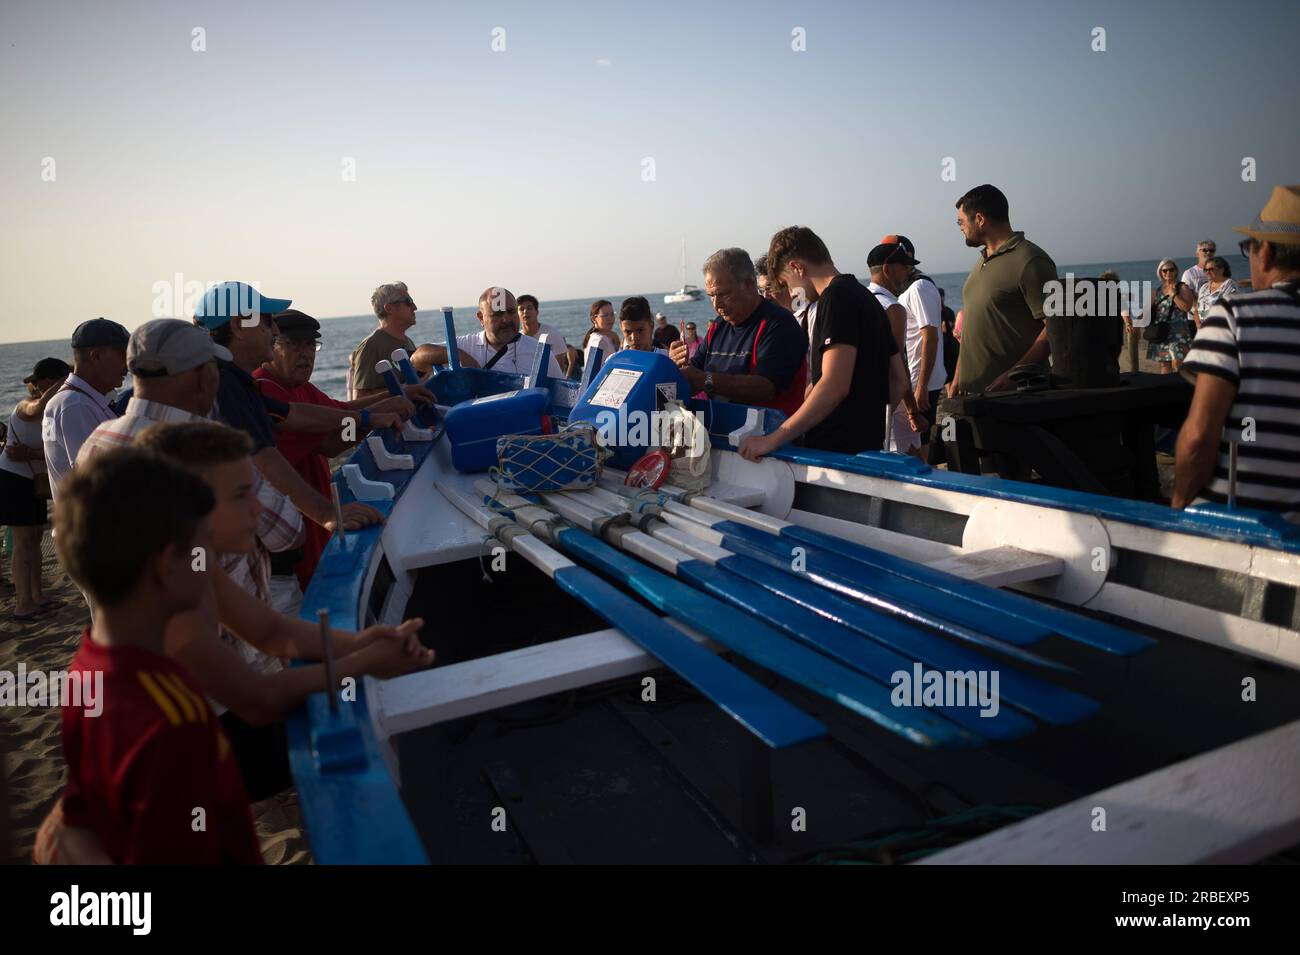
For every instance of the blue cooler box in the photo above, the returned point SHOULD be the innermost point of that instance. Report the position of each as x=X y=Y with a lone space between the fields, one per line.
x=620 y=403
x=474 y=426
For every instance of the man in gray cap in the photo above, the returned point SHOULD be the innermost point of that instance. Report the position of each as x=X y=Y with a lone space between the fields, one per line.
x=174 y=367
x=81 y=405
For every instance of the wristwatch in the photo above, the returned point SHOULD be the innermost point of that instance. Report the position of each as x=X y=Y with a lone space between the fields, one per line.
x=708 y=383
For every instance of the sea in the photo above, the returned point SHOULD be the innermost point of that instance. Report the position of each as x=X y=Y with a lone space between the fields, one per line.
x=339 y=336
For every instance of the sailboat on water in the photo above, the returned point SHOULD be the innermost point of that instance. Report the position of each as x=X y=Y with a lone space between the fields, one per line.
x=687 y=293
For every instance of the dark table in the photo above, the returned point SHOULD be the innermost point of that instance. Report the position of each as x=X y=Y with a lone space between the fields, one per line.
x=1087 y=439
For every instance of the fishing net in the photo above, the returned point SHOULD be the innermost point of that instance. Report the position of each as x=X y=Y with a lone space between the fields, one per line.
x=570 y=460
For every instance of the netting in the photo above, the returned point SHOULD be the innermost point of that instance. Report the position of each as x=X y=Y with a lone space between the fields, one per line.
x=570 y=460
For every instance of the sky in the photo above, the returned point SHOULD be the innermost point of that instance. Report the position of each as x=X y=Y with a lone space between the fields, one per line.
x=569 y=148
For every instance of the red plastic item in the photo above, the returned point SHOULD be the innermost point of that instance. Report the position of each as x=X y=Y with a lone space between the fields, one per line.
x=650 y=471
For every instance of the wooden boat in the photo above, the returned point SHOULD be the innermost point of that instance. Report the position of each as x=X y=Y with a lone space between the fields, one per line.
x=532 y=739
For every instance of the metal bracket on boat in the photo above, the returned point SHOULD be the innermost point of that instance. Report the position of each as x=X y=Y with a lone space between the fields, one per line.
x=536 y=376
x=364 y=489
x=386 y=460
x=411 y=432
x=753 y=425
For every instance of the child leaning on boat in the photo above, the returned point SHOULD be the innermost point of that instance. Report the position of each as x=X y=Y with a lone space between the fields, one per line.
x=159 y=666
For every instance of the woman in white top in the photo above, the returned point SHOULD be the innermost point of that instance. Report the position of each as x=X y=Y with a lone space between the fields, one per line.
x=21 y=507
x=1219 y=284
x=602 y=329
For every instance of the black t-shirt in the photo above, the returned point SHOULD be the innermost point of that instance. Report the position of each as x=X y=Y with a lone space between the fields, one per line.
x=848 y=314
x=241 y=405
x=727 y=348
x=666 y=335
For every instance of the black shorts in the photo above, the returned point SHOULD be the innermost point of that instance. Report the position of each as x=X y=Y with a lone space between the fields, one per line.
x=19 y=505
x=262 y=753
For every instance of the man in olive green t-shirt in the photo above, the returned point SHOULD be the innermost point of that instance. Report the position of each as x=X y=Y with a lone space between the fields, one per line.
x=396 y=313
x=1003 y=322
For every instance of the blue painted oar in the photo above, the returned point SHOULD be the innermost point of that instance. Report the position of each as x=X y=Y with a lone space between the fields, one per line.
x=768 y=716
x=453 y=353
x=739 y=607
x=1081 y=629
x=1053 y=704
x=425 y=417
x=744 y=634
x=950 y=587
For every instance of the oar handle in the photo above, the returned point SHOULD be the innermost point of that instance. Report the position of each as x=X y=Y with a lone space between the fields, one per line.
x=426 y=417
x=453 y=355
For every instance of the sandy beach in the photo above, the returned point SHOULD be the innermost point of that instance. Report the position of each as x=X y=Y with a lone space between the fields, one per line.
x=30 y=736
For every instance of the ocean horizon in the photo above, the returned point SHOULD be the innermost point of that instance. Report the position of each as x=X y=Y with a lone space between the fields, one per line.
x=340 y=334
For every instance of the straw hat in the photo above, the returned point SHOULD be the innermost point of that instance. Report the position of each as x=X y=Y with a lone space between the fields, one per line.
x=1280 y=219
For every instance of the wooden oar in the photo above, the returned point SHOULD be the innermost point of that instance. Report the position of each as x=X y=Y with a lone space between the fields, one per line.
x=750 y=621
x=769 y=717
x=1030 y=615
x=1031 y=694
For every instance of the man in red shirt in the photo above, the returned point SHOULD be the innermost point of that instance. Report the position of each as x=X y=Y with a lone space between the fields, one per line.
x=286 y=377
x=151 y=773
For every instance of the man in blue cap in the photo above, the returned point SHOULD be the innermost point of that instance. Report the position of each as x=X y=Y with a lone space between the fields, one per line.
x=240 y=318
x=81 y=405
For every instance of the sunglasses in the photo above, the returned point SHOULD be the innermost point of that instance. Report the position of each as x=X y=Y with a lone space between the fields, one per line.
x=1168 y=271
x=1246 y=246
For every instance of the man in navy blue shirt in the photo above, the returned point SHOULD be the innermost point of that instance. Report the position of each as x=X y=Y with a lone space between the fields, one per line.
x=754 y=352
x=241 y=319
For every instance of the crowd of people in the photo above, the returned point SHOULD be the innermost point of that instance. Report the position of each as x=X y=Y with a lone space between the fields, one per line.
x=192 y=511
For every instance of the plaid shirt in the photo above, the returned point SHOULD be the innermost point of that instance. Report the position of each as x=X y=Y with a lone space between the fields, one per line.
x=279 y=525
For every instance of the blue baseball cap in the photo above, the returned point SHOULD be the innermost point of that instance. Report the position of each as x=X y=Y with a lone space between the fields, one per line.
x=223 y=302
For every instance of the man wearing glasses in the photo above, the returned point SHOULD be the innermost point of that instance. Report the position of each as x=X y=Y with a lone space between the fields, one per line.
x=395 y=310
x=286 y=378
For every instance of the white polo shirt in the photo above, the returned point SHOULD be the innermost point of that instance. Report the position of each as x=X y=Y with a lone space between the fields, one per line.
x=518 y=359
x=75 y=411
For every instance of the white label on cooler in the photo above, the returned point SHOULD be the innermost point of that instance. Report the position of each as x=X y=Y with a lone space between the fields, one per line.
x=615 y=388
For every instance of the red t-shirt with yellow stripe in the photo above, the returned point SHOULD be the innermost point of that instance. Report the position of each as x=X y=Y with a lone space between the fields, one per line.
x=139 y=771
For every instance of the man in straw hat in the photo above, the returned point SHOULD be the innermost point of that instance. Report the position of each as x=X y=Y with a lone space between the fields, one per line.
x=1245 y=363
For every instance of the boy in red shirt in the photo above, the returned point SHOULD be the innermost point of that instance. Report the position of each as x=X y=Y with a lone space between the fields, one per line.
x=152 y=775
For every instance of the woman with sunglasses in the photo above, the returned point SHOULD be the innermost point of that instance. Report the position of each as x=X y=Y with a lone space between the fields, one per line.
x=1170 y=333
x=1219 y=283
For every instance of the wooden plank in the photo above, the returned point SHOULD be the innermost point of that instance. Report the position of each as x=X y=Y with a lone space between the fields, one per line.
x=1234 y=805
x=475 y=686
x=1000 y=566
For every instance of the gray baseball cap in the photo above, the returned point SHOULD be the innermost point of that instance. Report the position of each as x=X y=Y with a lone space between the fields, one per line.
x=169 y=346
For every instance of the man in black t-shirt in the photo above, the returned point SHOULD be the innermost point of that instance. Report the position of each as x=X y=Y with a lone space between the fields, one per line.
x=664 y=334
x=854 y=365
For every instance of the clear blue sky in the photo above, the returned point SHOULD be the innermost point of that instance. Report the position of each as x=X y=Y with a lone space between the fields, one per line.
x=524 y=167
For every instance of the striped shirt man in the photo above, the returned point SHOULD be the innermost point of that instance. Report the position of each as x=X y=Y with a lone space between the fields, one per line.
x=1252 y=341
